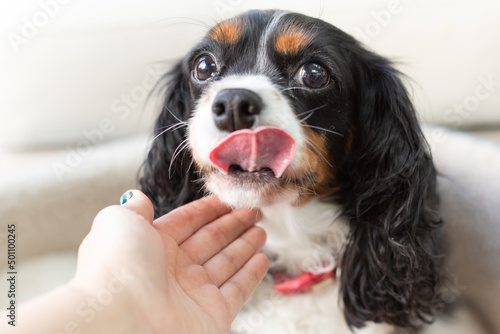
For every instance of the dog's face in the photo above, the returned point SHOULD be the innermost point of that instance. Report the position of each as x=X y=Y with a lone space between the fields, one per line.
x=271 y=113
x=279 y=107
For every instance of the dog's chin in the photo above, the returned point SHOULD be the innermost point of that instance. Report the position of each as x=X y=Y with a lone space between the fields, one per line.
x=242 y=189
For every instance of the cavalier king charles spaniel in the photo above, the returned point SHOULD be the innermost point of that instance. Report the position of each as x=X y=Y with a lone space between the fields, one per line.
x=286 y=113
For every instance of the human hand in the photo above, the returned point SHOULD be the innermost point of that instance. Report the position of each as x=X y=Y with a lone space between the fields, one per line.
x=190 y=271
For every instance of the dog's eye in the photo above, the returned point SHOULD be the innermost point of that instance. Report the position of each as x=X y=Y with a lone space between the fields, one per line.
x=313 y=75
x=205 y=68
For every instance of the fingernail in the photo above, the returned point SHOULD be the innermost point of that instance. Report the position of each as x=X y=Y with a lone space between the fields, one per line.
x=125 y=197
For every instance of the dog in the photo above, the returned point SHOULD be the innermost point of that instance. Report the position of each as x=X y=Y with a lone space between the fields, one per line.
x=287 y=113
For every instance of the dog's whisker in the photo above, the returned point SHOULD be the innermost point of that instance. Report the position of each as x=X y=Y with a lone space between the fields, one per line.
x=200 y=180
x=310 y=112
x=184 y=154
x=291 y=88
x=191 y=164
x=315 y=147
x=171 y=126
x=182 y=146
x=174 y=127
x=325 y=130
x=303 y=190
x=171 y=113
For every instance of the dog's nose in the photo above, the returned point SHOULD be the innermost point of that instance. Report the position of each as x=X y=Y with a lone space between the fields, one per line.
x=236 y=109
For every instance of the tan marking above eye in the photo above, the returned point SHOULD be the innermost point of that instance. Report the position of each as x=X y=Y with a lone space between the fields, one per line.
x=226 y=32
x=291 y=40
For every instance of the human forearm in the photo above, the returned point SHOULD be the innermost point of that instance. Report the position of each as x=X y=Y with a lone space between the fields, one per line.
x=71 y=310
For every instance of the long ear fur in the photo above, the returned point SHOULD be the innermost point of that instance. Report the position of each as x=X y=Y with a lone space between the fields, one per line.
x=168 y=176
x=390 y=267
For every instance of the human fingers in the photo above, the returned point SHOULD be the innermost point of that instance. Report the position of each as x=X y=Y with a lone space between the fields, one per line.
x=238 y=289
x=182 y=222
x=214 y=237
x=232 y=258
x=117 y=232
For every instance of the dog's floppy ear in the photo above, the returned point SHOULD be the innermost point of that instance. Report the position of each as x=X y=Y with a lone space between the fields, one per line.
x=390 y=264
x=168 y=177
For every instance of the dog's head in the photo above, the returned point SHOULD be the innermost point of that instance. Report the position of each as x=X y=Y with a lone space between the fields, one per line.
x=268 y=98
x=278 y=107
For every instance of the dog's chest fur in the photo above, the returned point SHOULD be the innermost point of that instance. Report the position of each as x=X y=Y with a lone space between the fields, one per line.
x=299 y=239
x=305 y=238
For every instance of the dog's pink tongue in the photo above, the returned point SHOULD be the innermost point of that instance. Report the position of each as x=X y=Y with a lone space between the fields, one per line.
x=252 y=150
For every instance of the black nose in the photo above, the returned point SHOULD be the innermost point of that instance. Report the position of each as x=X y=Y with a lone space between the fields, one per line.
x=235 y=109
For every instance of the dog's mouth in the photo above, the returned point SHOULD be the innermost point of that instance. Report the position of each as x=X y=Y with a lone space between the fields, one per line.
x=263 y=175
x=257 y=155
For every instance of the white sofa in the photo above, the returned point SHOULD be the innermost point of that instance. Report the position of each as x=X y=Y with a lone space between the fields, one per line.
x=469 y=190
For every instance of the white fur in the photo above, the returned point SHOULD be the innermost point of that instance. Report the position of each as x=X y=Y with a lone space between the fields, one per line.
x=307 y=238
x=245 y=196
x=262 y=59
x=300 y=239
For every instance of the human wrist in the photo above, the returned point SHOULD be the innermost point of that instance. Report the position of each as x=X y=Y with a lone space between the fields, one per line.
x=104 y=308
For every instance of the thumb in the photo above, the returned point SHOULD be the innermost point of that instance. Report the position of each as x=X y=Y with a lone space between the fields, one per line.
x=136 y=201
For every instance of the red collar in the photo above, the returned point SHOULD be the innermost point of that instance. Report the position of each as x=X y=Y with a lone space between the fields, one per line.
x=303 y=283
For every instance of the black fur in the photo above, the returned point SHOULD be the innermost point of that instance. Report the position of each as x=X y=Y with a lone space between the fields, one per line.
x=391 y=262
x=390 y=265
x=171 y=183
